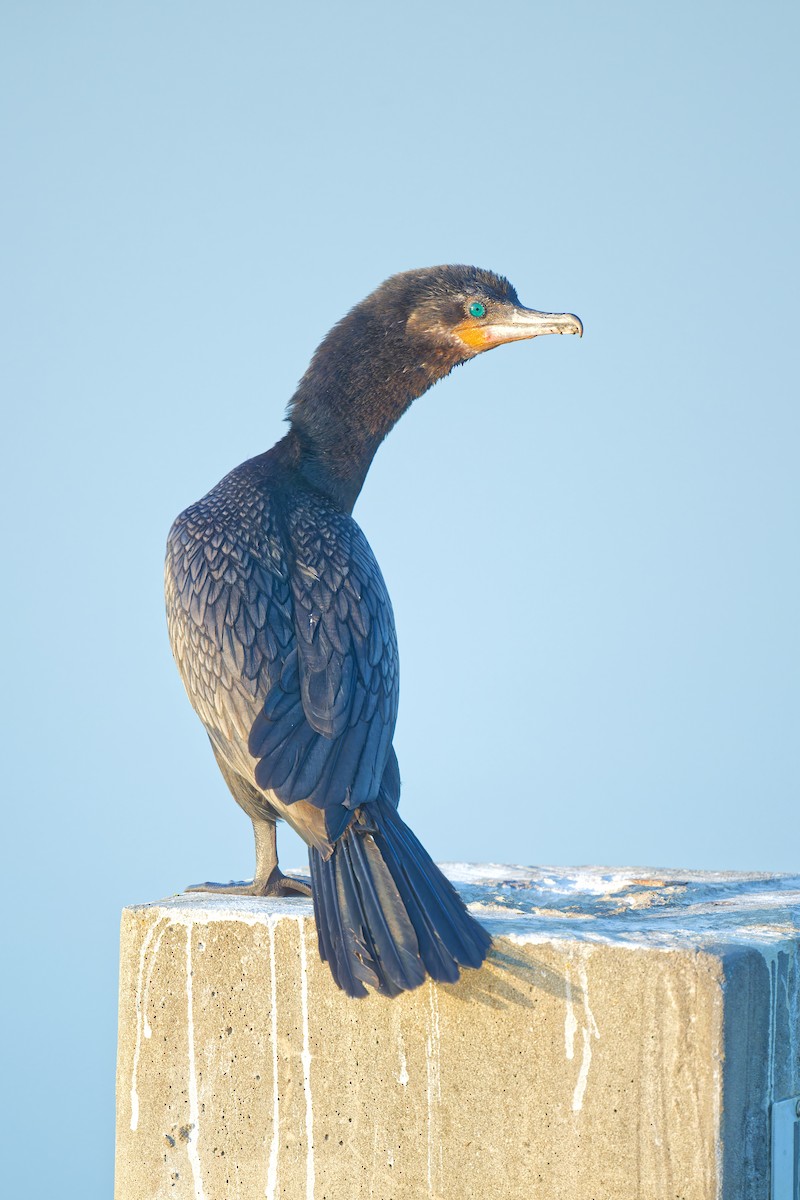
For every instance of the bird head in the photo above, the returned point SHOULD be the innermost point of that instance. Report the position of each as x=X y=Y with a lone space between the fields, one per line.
x=388 y=350
x=416 y=326
x=464 y=311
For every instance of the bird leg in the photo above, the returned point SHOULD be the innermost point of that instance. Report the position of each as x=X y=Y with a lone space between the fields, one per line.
x=269 y=879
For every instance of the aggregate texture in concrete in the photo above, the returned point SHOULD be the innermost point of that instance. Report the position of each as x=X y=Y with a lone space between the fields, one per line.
x=624 y=1041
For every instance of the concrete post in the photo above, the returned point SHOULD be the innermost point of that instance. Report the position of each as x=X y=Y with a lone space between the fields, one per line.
x=625 y=1041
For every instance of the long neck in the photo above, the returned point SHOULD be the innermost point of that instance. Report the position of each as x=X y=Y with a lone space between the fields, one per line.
x=360 y=382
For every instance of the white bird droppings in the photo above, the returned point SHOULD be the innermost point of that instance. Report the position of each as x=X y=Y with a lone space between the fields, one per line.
x=434 y=1072
x=194 y=1112
x=589 y=1031
x=306 y=1061
x=142 y=1023
x=272 y=1170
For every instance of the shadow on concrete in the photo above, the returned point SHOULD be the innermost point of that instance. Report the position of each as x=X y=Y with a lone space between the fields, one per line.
x=509 y=979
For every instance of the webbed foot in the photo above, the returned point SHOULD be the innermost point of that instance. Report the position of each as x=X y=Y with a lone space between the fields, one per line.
x=277 y=884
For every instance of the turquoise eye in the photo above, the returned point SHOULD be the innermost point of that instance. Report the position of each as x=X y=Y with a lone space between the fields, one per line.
x=476 y=309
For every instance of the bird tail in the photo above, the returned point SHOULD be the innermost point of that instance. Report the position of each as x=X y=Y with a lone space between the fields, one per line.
x=386 y=915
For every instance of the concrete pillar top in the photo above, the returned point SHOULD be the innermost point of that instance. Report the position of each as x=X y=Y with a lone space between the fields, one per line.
x=624 y=906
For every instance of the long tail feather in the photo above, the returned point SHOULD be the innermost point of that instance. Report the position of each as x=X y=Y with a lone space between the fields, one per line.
x=386 y=915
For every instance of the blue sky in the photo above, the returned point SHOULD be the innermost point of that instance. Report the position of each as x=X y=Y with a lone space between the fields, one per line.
x=591 y=546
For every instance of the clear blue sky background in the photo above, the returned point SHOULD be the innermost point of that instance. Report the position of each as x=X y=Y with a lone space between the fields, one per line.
x=592 y=547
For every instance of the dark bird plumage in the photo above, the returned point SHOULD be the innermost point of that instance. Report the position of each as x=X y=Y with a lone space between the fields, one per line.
x=283 y=632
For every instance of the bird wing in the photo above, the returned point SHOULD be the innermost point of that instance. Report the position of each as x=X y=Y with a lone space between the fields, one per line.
x=284 y=635
x=325 y=730
x=229 y=613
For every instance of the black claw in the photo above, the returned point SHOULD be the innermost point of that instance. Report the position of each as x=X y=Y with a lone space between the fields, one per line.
x=279 y=884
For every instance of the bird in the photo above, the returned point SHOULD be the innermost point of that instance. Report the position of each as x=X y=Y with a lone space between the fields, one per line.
x=283 y=633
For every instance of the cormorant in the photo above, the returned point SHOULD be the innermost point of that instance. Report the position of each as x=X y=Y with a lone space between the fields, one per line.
x=283 y=632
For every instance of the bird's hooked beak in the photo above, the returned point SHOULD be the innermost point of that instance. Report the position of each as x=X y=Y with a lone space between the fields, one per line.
x=513 y=324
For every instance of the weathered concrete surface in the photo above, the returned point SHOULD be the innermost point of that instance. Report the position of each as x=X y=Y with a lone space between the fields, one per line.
x=624 y=1042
